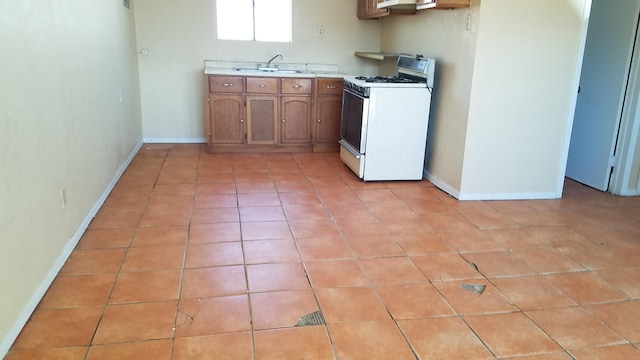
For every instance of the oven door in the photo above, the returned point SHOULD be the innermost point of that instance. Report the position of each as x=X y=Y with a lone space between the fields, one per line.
x=353 y=131
x=353 y=126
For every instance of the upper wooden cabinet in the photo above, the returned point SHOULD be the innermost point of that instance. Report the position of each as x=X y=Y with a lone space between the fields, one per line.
x=368 y=9
x=441 y=4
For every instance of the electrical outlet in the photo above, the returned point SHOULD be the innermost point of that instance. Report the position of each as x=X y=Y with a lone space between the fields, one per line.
x=320 y=31
x=467 y=24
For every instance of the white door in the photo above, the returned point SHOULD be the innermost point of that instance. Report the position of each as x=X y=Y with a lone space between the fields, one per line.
x=605 y=71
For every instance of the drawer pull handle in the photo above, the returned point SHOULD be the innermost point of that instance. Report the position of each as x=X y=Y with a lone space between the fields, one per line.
x=227 y=84
x=262 y=85
x=296 y=86
x=331 y=87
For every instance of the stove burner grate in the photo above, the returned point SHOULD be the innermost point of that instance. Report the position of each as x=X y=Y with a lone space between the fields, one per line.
x=388 y=79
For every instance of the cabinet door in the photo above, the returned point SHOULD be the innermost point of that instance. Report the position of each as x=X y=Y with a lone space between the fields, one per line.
x=226 y=116
x=368 y=9
x=328 y=113
x=295 y=127
x=262 y=120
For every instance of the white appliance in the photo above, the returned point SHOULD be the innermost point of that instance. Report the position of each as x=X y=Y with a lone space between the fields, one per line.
x=385 y=120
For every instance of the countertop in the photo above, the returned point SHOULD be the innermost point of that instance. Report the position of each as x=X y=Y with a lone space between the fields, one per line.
x=237 y=68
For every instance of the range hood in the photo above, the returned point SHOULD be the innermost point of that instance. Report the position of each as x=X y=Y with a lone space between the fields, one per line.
x=397 y=4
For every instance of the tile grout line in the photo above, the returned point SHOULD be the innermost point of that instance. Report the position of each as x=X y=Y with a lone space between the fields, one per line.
x=117 y=275
x=184 y=261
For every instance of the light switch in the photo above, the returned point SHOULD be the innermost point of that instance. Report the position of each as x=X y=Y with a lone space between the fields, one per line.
x=144 y=51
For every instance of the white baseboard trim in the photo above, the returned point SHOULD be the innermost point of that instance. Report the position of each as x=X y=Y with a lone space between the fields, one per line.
x=175 y=140
x=31 y=305
x=442 y=185
x=465 y=196
x=507 y=196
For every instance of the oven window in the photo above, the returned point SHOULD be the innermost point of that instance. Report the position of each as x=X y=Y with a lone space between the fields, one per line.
x=351 y=125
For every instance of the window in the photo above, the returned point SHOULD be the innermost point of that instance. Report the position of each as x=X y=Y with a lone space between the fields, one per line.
x=257 y=20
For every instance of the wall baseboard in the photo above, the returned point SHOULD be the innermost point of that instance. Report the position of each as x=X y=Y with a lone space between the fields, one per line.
x=466 y=196
x=442 y=185
x=175 y=140
x=31 y=305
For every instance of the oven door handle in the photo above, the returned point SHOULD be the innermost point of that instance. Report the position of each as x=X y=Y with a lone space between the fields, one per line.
x=349 y=91
x=350 y=148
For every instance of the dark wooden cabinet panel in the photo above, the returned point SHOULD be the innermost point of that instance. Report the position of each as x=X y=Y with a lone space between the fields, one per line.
x=262 y=85
x=331 y=86
x=368 y=9
x=226 y=84
x=262 y=121
x=296 y=86
x=226 y=119
x=328 y=114
x=295 y=126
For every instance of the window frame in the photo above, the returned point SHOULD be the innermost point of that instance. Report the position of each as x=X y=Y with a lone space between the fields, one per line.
x=256 y=21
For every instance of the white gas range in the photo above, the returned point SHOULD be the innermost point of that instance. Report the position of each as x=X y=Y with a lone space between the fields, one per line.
x=385 y=120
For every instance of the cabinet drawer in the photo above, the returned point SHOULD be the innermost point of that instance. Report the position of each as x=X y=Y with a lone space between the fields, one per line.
x=262 y=85
x=330 y=86
x=225 y=84
x=296 y=86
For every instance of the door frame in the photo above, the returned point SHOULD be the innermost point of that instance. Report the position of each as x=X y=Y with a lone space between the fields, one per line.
x=627 y=152
x=574 y=100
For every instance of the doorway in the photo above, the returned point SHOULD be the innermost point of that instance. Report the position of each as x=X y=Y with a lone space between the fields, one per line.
x=605 y=95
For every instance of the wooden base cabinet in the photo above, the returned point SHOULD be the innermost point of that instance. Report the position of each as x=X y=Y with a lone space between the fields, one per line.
x=295 y=110
x=270 y=114
x=328 y=111
x=225 y=112
x=226 y=124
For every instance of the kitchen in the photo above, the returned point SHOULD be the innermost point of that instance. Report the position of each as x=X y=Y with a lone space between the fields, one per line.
x=171 y=81
x=157 y=97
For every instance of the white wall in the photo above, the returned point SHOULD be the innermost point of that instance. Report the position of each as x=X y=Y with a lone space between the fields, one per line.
x=180 y=35
x=524 y=86
x=505 y=89
x=62 y=126
x=443 y=35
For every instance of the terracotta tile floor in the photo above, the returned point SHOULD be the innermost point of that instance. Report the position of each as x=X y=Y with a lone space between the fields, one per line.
x=199 y=256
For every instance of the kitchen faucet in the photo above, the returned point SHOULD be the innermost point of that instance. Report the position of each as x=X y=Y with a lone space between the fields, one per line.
x=273 y=58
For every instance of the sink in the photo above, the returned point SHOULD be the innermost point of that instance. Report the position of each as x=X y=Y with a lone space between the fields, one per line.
x=268 y=70
x=283 y=71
